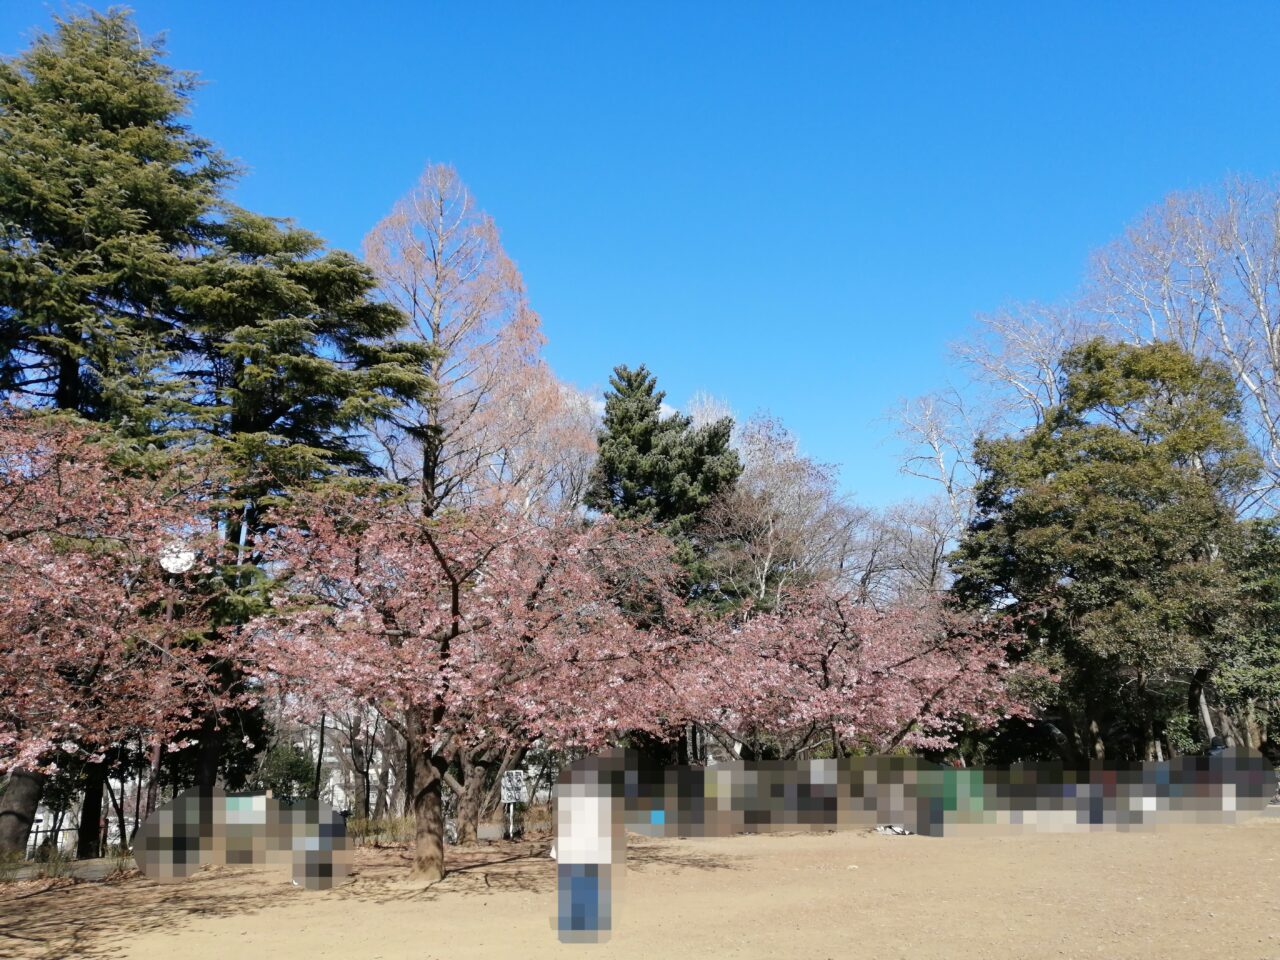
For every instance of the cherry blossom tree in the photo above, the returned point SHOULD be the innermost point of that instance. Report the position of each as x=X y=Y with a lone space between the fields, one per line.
x=471 y=629
x=825 y=670
x=96 y=638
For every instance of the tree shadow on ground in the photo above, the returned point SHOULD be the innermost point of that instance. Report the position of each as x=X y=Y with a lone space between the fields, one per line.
x=96 y=920
x=646 y=856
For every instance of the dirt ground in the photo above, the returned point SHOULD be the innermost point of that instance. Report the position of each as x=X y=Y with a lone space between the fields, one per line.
x=1180 y=892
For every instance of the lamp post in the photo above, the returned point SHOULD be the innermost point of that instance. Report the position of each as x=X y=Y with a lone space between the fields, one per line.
x=175 y=559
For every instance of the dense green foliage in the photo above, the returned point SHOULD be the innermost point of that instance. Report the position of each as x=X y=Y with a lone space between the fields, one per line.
x=286 y=354
x=1247 y=667
x=131 y=291
x=104 y=194
x=284 y=769
x=1107 y=531
x=656 y=469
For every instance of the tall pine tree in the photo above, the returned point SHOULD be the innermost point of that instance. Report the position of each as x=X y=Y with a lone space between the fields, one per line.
x=104 y=194
x=655 y=469
x=663 y=471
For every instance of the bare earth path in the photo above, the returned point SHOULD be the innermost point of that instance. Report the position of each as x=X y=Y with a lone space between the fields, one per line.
x=1189 y=892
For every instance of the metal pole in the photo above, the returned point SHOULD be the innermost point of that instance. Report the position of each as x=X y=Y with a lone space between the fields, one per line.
x=153 y=780
x=319 y=758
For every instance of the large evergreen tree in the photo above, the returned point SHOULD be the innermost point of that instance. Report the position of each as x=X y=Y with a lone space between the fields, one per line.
x=131 y=291
x=286 y=355
x=656 y=469
x=104 y=195
x=1246 y=673
x=663 y=471
x=1105 y=531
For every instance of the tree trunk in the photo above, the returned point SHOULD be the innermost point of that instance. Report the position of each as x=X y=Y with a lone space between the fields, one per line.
x=1064 y=741
x=512 y=757
x=362 y=758
x=837 y=745
x=67 y=392
x=1227 y=725
x=89 y=835
x=1206 y=716
x=382 y=804
x=428 y=770
x=682 y=747
x=1097 y=745
x=18 y=805
x=471 y=797
x=153 y=777
x=409 y=780
x=1252 y=728
x=210 y=756
x=1197 y=704
x=117 y=804
x=315 y=791
x=137 y=810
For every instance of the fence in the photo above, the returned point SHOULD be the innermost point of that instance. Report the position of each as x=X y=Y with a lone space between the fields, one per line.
x=41 y=835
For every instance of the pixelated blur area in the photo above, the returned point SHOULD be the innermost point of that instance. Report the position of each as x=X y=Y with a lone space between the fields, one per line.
x=600 y=798
x=212 y=827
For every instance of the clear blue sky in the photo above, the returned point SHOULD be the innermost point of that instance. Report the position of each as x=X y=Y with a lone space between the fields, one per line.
x=793 y=207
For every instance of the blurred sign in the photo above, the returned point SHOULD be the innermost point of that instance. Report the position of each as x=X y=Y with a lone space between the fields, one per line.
x=514 y=787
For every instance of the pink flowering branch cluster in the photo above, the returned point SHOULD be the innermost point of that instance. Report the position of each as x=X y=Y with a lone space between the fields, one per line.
x=93 y=647
x=479 y=627
x=825 y=668
x=471 y=627
x=464 y=629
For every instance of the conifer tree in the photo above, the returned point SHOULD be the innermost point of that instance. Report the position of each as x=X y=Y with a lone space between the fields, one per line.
x=132 y=292
x=655 y=469
x=104 y=194
x=287 y=356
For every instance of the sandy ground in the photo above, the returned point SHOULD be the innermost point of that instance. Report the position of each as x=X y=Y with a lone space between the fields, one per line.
x=1180 y=892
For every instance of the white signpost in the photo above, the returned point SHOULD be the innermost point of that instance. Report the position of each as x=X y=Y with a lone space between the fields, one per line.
x=515 y=789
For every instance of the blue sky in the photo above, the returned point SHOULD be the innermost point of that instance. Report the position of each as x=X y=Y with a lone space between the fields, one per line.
x=792 y=207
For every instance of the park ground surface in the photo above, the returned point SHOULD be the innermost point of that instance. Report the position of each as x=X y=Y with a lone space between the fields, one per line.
x=1178 y=892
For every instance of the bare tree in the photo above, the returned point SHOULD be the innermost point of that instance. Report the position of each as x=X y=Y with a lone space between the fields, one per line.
x=706 y=409
x=783 y=522
x=923 y=532
x=869 y=563
x=939 y=432
x=546 y=444
x=498 y=423
x=1014 y=356
x=1014 y=360
x=1203 y=269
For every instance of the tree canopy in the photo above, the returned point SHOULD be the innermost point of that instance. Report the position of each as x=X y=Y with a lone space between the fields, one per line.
x=1103 y=529
x=105 y=193
x=654 y=468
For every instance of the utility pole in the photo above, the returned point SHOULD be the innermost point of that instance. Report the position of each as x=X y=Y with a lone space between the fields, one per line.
x=315 y=794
